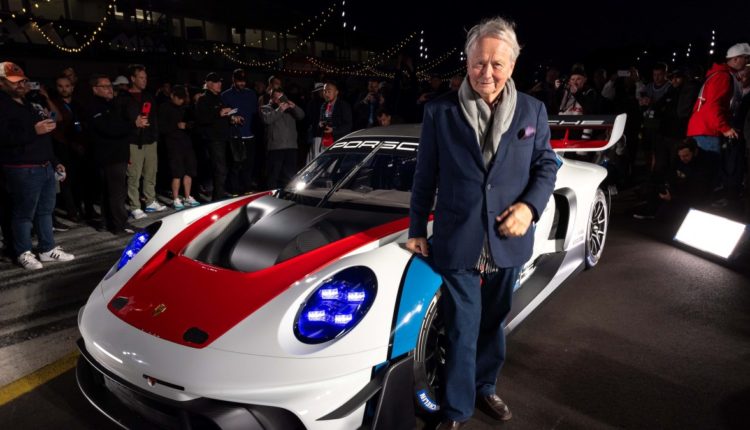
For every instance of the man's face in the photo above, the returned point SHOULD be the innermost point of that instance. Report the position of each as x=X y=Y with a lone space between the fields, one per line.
x=139 y=80
x=659 y=76
x=16 y=90
x=103 y=89
x=577 y=81
x=64 y=87
x=214 y=87
x=677 y=81
x=384 y=119
x=275 y=83
x=373 y=86
x=686 y=155
x=330 y=92
x=489 y=66
x=435 y=83
x=738 y=63
x=240 y=84
x=551 y=76
x=70 y=73
x=177 y=101
x=276 y=96
x=744 y=77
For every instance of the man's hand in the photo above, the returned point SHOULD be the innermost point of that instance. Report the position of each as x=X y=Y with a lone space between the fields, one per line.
x=141 y=121
x=417 y=245
x=328 y=130
x=666 y=195
x=731 y=134
x=181 y=125
x=44 y=126
x=60 y=169
x=225 y=111
x=515 y=220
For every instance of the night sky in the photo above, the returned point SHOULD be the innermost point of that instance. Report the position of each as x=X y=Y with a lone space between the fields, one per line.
x=560 y=32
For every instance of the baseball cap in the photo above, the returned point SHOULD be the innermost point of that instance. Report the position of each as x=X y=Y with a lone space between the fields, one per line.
x=120 y=80
x=11 y=72
x=738 y=50
x=318 y=87
x=239 y=75
x=213 y=77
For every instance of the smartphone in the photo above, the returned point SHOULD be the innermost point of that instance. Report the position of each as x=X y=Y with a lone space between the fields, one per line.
x=283 y=99
x=146 y=108
x=53 y=115
x=232 y=112
x=623 y=73
x=34 y=86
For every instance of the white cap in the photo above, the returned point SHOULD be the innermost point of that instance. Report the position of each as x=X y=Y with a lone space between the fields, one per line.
x=121 y=80
x=738 y=50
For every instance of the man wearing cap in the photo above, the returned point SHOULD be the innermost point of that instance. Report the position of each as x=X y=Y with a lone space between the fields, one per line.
x=29 y=169
x=120 y=85
x=239 y=97
x=215 y=119
x=712 y=113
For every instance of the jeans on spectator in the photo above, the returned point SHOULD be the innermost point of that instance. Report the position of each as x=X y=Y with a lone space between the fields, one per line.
x=32 y=194
x=143 y=162
x=474 y=315
x=218 y=151
x=282 y=164
x=711 y=146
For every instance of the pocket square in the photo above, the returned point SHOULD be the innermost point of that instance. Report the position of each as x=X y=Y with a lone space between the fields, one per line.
x=527 y=132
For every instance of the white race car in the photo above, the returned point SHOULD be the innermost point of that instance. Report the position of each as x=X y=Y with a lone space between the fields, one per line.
x=301 y=307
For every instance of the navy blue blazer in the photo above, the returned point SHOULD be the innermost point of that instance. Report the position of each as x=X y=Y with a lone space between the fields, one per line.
x=469 y=195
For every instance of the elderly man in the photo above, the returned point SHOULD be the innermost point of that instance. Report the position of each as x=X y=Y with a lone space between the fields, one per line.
x=486 y=147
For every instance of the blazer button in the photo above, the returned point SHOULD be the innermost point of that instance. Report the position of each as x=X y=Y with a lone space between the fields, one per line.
x=489 y=186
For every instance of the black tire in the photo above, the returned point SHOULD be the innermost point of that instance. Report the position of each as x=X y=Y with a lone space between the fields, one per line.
x=429 y=358
x=596 y=230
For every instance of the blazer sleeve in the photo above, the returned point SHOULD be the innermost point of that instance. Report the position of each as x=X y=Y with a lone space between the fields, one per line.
x=425 y=176
x=543 y=167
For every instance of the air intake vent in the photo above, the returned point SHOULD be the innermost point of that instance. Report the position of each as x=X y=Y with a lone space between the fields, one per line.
x=195 y=335
x=119 y=302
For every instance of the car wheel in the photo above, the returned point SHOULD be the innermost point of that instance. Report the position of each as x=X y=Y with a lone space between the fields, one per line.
x=429 y=358
x=596 y=231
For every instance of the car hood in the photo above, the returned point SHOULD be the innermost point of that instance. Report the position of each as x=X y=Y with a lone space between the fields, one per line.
x=192 y=297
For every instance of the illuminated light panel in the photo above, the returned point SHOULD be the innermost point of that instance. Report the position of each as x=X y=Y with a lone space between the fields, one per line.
x=710 y=233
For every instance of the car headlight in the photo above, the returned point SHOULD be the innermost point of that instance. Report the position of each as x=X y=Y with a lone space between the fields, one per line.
x=336 y=306
x=139 y=240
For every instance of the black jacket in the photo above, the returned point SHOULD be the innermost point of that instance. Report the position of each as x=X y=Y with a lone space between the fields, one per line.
x=169 y=116
x=133 y=107
x=110 y=130
x=341 y=121
x=19 y=143
x=207 y=116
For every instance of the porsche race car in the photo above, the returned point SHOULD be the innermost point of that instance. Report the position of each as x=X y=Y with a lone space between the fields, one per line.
x=301 y=307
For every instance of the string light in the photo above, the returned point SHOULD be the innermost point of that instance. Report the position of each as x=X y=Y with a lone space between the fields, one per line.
x=88 y=40
x=436 y=61
x=294 y=28
x=359 y=68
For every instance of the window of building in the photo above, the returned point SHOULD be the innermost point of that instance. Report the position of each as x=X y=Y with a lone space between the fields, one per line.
x=270 y=40
x=177 y=27
x=254 y=38
x=216 y=31
x=50 y=10
x=237 y=35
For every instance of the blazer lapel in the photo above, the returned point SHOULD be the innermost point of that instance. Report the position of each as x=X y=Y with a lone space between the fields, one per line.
x=468 y=136
x=507 y=137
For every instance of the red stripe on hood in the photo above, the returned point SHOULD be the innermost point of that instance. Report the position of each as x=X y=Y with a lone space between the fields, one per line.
x=194 y=294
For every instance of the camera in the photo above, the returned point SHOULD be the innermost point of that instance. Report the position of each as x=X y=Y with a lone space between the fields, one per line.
x=283 y=99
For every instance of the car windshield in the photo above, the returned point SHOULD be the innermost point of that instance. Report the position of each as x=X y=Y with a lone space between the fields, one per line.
x=341 y=177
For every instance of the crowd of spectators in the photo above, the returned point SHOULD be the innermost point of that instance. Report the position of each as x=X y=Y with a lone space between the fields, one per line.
x=130 y=151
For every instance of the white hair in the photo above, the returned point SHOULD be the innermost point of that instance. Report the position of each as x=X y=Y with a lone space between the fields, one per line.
x=498 y=28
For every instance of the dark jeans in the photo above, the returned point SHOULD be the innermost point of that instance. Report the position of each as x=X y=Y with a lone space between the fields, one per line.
x=32 y=194
x=282 y=165
x=218 y=152
x=240 y=178
x=115 y=194
x=474 y=318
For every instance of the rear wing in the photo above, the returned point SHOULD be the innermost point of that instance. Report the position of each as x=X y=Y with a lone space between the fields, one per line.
x=601 y=132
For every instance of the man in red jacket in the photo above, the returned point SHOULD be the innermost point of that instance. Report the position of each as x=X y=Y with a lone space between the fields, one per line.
x=711 y=118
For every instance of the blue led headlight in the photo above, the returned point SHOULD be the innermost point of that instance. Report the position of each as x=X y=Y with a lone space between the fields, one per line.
x=137 y=243
x=336 y=306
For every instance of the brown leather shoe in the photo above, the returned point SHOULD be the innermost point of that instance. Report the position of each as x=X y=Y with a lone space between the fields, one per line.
x=450 y=425
x=494 y=406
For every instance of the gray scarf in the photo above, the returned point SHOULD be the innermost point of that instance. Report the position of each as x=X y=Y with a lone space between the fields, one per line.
x=488 y=126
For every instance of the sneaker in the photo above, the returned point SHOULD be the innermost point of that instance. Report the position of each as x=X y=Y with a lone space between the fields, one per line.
x=177 y=204
x=138 y=214
x=58 y=226
x=29 y=261
x=190 y=201
x=155 y=207
x=56 y=254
